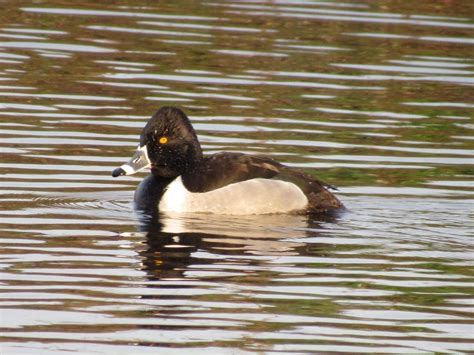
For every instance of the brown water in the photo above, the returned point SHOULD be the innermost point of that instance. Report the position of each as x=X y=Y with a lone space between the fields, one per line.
x=373 y=96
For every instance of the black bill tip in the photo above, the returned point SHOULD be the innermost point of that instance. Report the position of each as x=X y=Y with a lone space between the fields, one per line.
x=118 y=172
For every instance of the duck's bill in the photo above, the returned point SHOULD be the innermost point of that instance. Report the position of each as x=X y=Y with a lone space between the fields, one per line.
x=138 y=162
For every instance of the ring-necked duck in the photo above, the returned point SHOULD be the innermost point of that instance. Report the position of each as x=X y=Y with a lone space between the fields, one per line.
x=184 y=180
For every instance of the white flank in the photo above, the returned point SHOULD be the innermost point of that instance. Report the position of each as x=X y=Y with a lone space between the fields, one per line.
x=256 y=196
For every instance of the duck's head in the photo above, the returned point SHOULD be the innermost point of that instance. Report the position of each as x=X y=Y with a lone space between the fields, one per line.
x=168 y=145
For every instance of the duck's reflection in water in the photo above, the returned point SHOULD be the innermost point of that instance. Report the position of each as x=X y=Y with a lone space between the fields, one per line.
x=176 y=243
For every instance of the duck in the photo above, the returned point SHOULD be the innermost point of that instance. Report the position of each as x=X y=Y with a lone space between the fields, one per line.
x=185 y=180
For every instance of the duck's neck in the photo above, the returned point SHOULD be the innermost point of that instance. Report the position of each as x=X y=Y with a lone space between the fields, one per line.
x=194 y=177
x=193 y=158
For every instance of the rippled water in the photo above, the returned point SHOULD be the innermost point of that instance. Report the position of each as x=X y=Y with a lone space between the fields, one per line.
x=375 y=97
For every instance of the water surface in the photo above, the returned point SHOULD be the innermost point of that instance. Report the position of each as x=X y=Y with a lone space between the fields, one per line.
x=374 y=97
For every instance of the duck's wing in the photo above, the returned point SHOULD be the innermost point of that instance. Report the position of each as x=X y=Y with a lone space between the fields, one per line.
x=222 y=169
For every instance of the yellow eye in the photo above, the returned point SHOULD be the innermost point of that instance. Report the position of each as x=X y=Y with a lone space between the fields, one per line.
x=163 y=140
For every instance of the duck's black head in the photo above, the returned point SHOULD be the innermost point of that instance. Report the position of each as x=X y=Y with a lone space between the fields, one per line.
x=168 y=144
